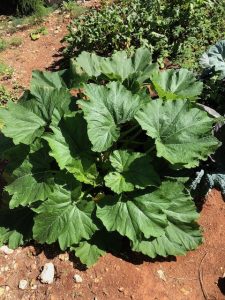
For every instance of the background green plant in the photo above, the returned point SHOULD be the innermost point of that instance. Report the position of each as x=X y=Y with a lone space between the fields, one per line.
x=180 y=30
x=72 y=8
x=6 y=71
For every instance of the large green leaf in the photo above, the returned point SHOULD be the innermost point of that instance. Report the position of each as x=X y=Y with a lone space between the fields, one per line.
x=64 y=217
x=133 y=170
x=214 y=58
x=89 y=62
x=131 y=216
x=88 y=253
x=45 y=80
x=148 y=214
x=71 y=148
x=120 y=66
x=106 y=108
x=182 y=233
x=177 y=240
x=44 y=101
x=176 y=84
x=21 y=124
x=33 y=179
x=182 y=134
x=15 y=226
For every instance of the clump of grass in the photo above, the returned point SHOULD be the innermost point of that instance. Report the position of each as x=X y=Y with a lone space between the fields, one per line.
x=16 y=41
x=3 y=45
x=6 y=71
x=72 y=8
x=13 y=42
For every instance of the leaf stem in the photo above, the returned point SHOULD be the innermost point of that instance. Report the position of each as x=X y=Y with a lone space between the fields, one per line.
x=129 y=131
x=150 y=150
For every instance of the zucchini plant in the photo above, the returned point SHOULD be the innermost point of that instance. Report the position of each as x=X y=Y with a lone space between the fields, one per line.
x=93 y=159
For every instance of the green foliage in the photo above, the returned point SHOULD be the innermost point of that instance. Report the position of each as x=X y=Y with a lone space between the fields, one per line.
x=180 y=30
x=37 y=33
x=72 y=8
x=12 y=42
x=26 y=7
x=213 y=75
x=3 y=44
x=5 y=95
x=6 y=71
x=88 y=170
x=16 y=41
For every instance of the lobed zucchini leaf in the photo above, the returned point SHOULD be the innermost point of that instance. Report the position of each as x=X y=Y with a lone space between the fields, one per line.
x=105 y=110
x=176 y=84
x=182 y=133
x=133 y=170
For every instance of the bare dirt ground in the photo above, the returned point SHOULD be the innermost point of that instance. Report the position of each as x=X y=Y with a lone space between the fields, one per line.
x=196 y=276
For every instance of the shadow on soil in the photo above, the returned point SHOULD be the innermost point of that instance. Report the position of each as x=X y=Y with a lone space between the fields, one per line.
x=52 y=251
x=60 y=62
x=221 y=285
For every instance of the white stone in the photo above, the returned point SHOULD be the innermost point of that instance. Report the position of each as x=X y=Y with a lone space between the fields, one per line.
x=64 y=256
x=77 y=278
x=34 y=287
x=47 y=275
x=23 y=284
x=161 y=275
x=5 y=249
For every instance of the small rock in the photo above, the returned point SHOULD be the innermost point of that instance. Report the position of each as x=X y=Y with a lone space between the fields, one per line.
x=33 y=284
x=121 y=289
x=34 y=287
x=64 y=256
x=15 y=265
x=77 y=278
x=5 y=249
x=7 y=288
x=2 y=291
x=47 y=275
x=96 y=280
x=184 y=291
x=23 y=284
x=161 y=275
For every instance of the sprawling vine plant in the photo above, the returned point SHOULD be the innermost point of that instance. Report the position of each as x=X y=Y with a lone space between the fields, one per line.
x=94 y=155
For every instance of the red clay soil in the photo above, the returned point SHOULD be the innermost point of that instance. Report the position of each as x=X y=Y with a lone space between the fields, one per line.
x=191 y=277
x=38 y=54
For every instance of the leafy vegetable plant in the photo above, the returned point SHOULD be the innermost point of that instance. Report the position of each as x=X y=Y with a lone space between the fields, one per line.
x=212 y=174
x=180 y=30
x=93 y=159
x=213 y=75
